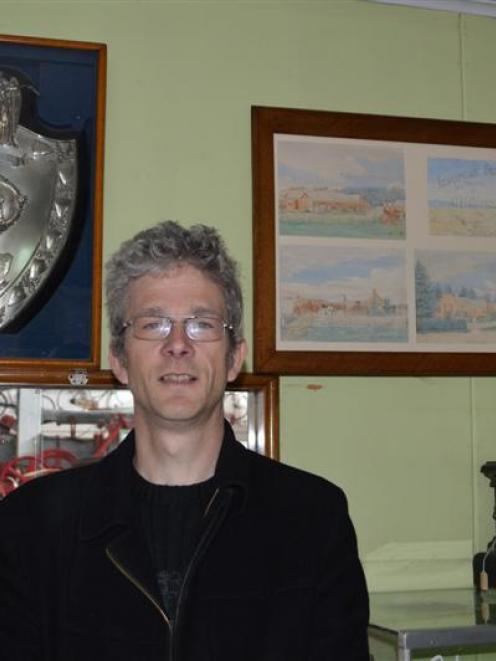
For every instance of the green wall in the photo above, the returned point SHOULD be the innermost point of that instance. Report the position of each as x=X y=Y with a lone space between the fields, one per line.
x=181 y=79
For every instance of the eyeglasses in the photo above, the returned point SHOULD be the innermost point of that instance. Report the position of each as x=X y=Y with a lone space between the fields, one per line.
x=199 y=328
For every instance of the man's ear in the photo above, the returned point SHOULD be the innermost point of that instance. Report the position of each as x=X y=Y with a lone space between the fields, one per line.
x=117 y=365
x=236 y=360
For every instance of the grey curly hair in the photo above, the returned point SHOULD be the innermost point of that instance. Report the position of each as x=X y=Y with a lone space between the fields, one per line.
x=159 y=248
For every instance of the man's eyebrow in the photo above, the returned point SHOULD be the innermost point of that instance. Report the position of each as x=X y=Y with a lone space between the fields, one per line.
x=160 y=312
x=153 y=311
x=208 y=311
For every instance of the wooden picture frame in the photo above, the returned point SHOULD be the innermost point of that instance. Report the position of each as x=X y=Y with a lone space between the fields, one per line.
x=430 y=219
x=63 y=87
x=49 y=427
x=267 y=387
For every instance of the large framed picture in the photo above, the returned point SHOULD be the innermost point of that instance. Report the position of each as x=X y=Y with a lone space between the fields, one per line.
x=374 y=244
x=52 y=103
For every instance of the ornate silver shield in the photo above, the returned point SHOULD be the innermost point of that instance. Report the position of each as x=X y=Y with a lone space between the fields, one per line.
x=38 y=186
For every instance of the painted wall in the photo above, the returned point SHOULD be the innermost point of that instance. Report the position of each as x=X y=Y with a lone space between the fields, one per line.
x=181 y=79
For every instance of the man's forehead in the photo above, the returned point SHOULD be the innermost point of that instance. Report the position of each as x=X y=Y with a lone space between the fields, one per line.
x=180 y=284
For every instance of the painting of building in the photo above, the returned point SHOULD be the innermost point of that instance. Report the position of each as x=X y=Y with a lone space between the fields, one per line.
x=333 y=188
x=455 y=297
x=330 y=296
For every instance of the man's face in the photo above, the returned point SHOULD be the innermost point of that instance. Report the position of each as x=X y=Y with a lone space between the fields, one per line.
x=177 y=383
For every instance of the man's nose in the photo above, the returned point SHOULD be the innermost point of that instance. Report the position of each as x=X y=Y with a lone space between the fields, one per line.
x=177 y=342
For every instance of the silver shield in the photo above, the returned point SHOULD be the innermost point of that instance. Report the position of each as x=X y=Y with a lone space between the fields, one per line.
x=38 y=186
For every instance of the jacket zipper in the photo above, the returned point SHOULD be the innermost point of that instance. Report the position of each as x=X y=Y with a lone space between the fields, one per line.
x=205 y=537
x=138 y=585
x=210 y=502
x=207 y=534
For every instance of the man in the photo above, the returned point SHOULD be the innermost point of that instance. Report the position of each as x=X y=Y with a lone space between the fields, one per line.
x=181 y=545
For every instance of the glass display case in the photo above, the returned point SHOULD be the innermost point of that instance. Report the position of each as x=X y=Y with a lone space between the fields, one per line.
x=434 y=625
x=46 y=429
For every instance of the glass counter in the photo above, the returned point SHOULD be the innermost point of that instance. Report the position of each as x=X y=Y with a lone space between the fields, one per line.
x=440 y=625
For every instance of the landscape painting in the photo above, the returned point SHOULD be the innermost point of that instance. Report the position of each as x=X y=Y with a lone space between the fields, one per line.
x=455 y=297
x=374 y=243
x=335 y=188
x=462 y=197
x=331 y=294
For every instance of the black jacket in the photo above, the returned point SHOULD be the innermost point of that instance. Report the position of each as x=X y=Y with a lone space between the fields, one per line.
x=275 y=577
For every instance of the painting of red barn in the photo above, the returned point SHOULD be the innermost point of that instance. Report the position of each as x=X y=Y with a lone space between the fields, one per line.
x=339 y=188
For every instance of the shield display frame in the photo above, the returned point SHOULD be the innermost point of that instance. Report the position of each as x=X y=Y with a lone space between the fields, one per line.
x=60 y=330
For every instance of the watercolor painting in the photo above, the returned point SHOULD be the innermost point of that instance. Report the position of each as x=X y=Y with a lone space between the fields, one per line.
x=462 y=197
x=455 y=297
x=328 y=294
x=332 y=188
x=374 y=244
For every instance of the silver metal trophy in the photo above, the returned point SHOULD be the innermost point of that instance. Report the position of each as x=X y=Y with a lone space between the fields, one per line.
x=38 y=186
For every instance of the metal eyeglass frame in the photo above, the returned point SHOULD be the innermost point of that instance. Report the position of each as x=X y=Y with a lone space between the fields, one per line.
x=184 y=320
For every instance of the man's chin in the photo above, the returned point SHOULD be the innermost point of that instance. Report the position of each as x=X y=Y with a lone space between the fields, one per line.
x=188 y=416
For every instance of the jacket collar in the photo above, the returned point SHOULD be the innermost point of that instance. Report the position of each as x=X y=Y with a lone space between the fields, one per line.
x=108 y=500
x=233 y=468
